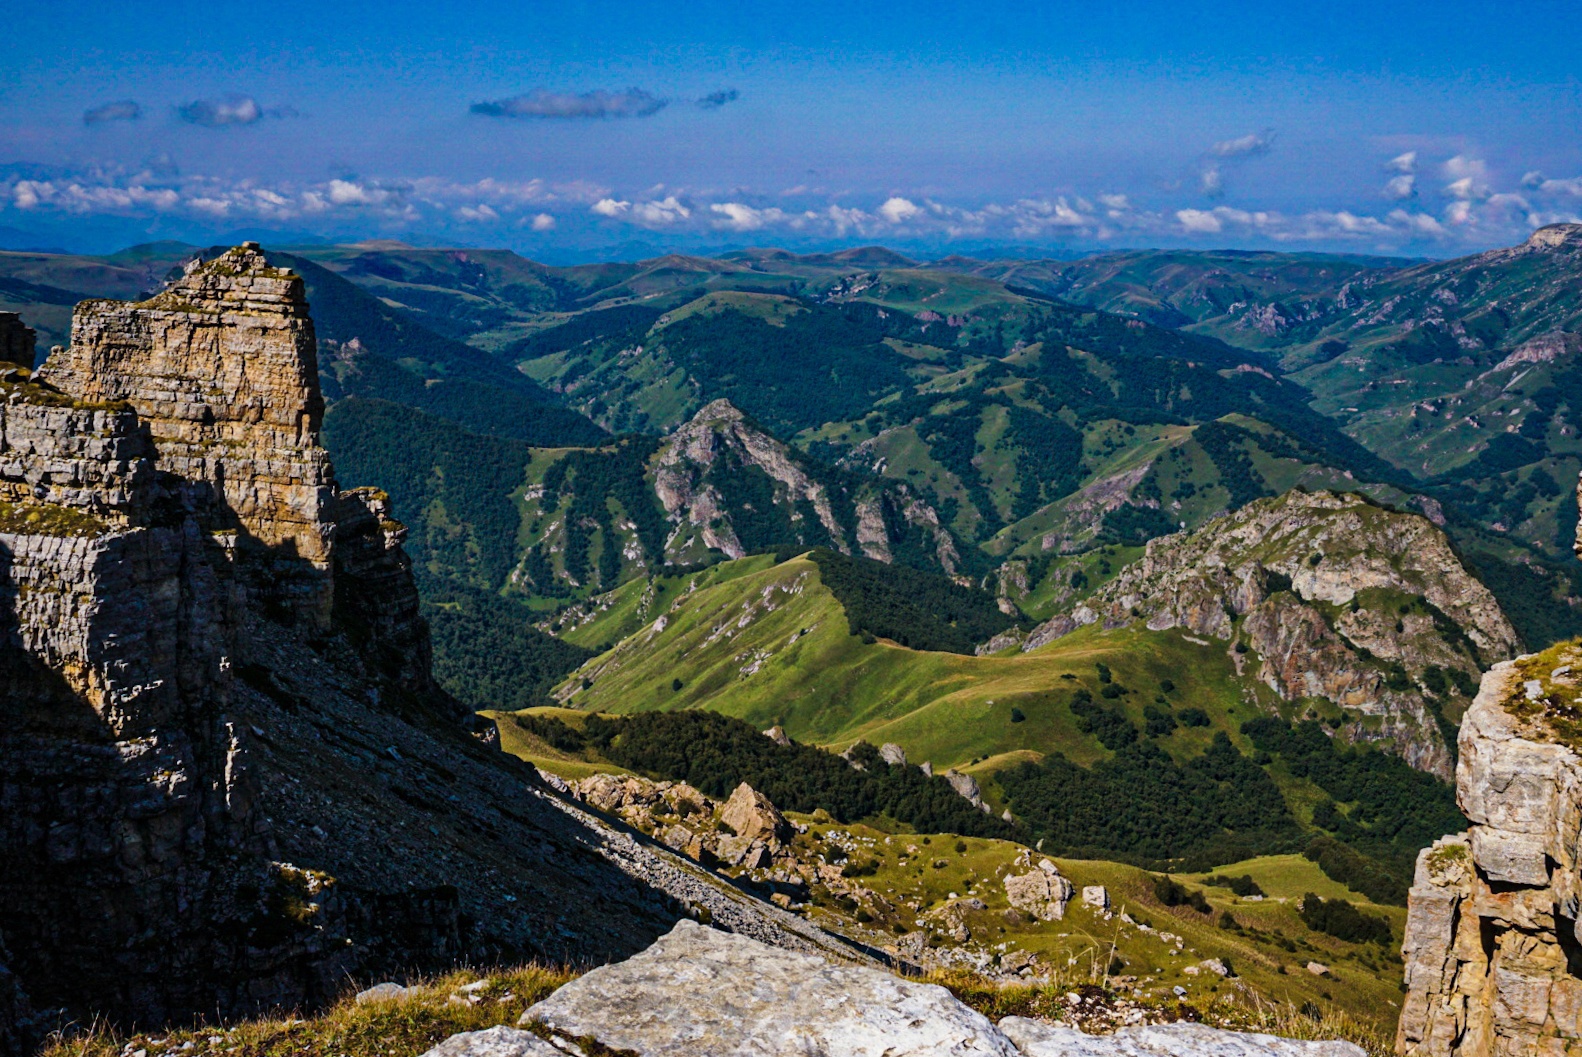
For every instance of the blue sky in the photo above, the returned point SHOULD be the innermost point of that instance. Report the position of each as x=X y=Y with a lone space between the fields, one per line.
x=577 y=130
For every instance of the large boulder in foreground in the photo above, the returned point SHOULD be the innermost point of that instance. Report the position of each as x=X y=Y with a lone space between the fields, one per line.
x=698 y=992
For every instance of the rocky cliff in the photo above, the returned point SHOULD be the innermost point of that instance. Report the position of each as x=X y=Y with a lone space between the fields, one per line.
x=1323 y=595
x=718 y=487
x=227 y=780
x=692 y=481
x=1493 y=953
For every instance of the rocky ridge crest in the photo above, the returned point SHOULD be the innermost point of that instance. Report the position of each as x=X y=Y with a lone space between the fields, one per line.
x=699 y=505
x=1280 y=582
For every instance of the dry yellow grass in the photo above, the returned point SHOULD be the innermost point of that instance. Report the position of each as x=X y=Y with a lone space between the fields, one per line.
x=404 y=1027
x=436 y=1009
x=1071 y=999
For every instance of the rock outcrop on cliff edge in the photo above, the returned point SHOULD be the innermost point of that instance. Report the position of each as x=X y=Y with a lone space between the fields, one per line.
x=1322 y=594
x=1493 y=951
x=227 y=778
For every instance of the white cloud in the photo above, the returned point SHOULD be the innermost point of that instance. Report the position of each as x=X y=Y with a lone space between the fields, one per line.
x=1199 y=222
x=352 y=193
x=1417 y=223
x=1031 y=217
x=842 y=220
x=666 y=211
x=1471 y=216
x=1242 y=146
x=1401 y=187
x=1572 y=187
x=1468 y=177
x=1403 y=163
x=572 y=106
x=1210 y=182
x=734 y=216
x=898 y=210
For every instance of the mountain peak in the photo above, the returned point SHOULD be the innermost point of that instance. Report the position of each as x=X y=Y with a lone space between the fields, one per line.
x=721 y=410
x=1556 y=236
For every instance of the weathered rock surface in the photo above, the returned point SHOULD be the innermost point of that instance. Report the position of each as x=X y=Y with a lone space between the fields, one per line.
x=1042 y=892
x=227 y=779
x=698 y=992
x=495 y=1042
x=742 y=998
x=1036 y=1039
x=1333 y=597
x=1493 y=954
x=747 y=830
x=222 y=370
x=966 y=787
x=692 y=479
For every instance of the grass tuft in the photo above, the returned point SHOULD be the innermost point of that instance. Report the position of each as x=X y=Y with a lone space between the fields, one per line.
x=432 y=1011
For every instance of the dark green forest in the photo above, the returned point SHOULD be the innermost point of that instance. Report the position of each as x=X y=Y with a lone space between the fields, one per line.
x=716 y=753
x=1142 y=807
x=916 y=608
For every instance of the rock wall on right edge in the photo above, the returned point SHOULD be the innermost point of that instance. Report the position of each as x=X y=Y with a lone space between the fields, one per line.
x=1492 y=948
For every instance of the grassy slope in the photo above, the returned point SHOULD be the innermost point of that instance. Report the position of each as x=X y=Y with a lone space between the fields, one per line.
x=1363 y=979
x=772 y=646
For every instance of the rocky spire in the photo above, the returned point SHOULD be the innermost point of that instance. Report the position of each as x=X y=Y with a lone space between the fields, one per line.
x=222 y=367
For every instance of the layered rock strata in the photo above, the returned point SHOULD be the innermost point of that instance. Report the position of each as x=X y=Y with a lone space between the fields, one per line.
x=222 y=370
x=1493 y=951
x=227 y=779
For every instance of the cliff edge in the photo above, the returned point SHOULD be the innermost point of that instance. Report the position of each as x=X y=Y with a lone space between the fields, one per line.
x=1493 y=952
x=228 y=781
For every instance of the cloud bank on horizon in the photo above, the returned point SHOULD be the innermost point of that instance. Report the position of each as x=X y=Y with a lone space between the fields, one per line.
x=967 y=127
x=1464 y=210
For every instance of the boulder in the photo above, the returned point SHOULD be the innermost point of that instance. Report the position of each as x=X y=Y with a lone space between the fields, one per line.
x=778 y=735
x=1096 y=896
x=495 y=1042
x=1041 y=893
x=749 y=814
x=385 y=992
x=892 y=754
x=684 y=800
x=1037 y=1039
x=698 y=991
x=966 y=786
x=743 y=851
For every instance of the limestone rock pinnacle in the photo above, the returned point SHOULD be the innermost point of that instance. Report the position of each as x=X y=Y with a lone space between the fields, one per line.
x=222 y=367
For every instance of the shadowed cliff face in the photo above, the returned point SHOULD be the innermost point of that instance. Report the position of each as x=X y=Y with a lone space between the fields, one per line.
x=227 y=779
